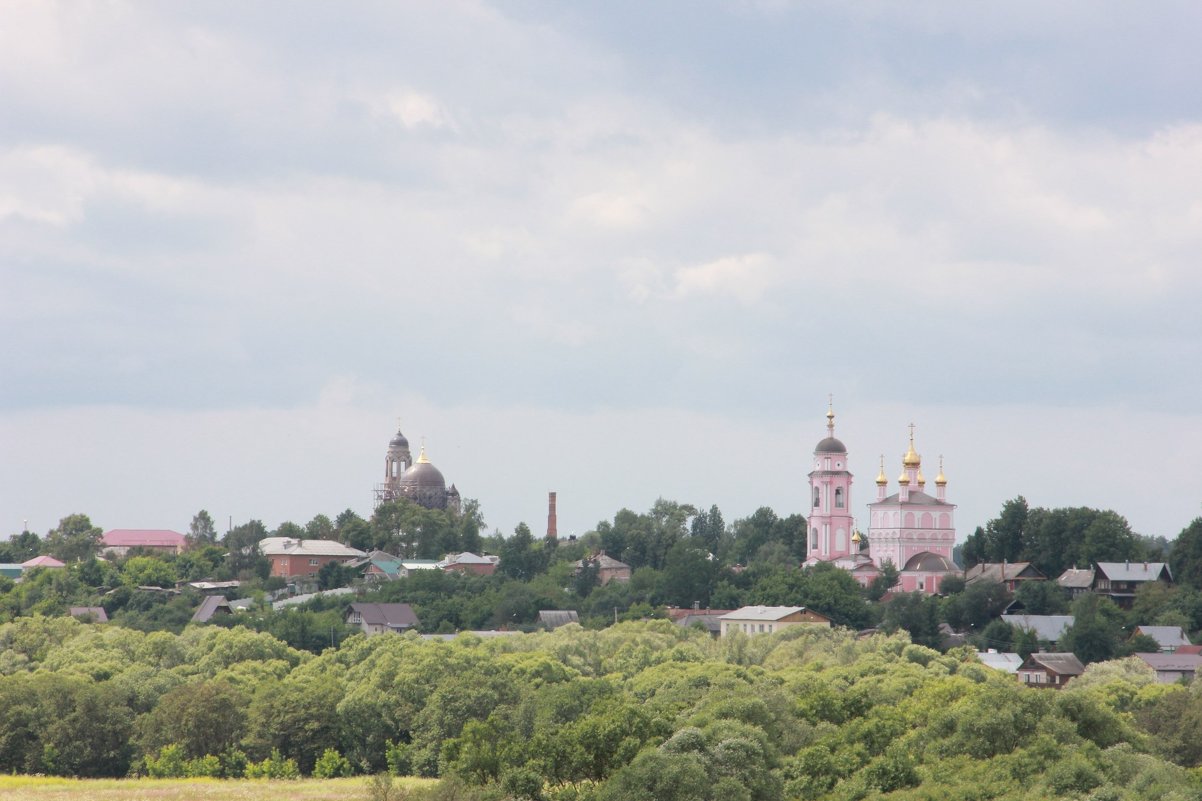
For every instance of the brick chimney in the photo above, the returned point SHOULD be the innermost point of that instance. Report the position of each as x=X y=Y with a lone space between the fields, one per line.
x=552 y=534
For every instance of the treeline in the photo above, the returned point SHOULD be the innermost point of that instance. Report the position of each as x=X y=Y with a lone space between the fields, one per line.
x=637 y=711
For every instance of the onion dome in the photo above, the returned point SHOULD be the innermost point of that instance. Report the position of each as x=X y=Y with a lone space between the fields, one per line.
x=941 y=480
x=911 y=459
x=855 y=536
x=903 y=479
x=922 y=482
x=831 y=444
x=423 y=475
x=881 y=480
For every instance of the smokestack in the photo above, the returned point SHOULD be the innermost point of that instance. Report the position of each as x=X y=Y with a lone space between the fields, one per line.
x=552 y=534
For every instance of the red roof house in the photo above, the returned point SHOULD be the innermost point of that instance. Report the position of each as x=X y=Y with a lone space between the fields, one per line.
x=119 y=541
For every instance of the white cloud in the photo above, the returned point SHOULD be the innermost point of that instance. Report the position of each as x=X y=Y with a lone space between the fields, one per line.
x=746 y=277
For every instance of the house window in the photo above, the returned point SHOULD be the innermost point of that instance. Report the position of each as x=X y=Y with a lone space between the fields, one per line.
x=838 y=497
x=761 y=627
x=312 y=563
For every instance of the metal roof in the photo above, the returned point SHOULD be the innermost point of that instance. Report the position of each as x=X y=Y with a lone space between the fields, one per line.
x=1065 y=664
x=142 y=538
x=394 y=616
x=289 y=546
x=1165 y=636
x=1076 y=579
x=765 y=613
x=1046 y=627
x=1134 y=571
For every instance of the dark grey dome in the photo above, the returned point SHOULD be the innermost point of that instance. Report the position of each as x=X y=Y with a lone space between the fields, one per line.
x=399 y=441
x=927 y=562
x=830 y=445
x=423 y=475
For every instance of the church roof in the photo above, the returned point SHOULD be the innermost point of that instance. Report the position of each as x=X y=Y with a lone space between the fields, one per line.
x=917 y=497
x=830 y=445
x=927 y=562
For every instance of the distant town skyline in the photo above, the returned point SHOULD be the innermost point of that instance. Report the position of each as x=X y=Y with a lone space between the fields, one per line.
x=619 y=251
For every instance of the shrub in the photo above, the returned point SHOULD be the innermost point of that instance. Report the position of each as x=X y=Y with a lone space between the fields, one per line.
x=274 y=767
x=331 y=765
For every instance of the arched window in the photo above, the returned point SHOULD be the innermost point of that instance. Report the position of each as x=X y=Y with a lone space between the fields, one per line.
x=816 y=496
x=838 y=497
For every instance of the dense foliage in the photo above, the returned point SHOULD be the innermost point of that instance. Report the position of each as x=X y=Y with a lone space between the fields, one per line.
x=637 y=711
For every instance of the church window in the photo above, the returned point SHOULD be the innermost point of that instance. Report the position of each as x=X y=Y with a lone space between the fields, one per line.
x=838 y=497
x=813 y=539
x=827 y=462
x=816 y=496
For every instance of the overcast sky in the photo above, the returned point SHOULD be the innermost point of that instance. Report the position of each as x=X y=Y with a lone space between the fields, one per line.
x=620 y=250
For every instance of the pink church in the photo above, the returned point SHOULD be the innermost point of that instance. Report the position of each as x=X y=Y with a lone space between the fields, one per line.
x=911 y=529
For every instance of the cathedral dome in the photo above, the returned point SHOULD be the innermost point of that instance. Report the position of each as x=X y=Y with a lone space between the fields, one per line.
x=423 y=475
x=830 y=445
x=399 y=441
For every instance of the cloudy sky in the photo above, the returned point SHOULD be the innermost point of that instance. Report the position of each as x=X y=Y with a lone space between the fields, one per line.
x=620 y=250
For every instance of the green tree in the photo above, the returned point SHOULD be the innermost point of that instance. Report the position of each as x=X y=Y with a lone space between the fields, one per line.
x=1042 y=597
x=319 y=528
x=202 y=531
x=1185 y=560
x=242 y=543
x=201 y=717
x=147 y=571
x=75 y=539
x=1097 y=629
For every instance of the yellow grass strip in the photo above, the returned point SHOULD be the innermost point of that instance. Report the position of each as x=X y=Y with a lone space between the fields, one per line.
x=50 y=788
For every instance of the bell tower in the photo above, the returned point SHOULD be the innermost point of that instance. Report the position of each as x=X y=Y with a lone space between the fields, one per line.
x=830 y=520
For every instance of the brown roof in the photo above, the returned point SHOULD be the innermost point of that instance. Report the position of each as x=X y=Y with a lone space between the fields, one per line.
x=1063 y=664
x=394 y=616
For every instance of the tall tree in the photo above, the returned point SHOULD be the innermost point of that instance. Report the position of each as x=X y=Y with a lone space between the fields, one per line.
x=202 y=531
x=1185 y=560
x=75 y=539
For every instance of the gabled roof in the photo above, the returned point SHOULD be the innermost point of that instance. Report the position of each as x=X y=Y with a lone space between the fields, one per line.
x=1001 y=572
x=1074 y=579
x=394 y=616
x=420 y=564
x=1063 y=664
x=604 y=562
x=1165 y=636
x=467 y=558
x=1046 y=627
x=42 y=561
x=1134 y=571
x=210 y=606
x=96 y=613
x=142 y=538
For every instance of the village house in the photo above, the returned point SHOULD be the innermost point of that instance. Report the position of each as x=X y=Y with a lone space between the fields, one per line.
x=292 y=558
x=767 y=619
x=469 y=563
x=1050 y=670
x=1008 y=574
x=1119 y=580
x=1000 y=660
x=1172 y=668
x=608 y=568
x=382 y=618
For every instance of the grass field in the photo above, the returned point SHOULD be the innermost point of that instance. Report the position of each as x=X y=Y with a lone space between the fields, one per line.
x=44 y=788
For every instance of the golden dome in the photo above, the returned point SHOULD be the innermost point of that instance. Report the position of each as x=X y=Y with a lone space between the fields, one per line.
x=903 y=479
x=881 y=480
x=421 y=457
x=921 y=481
x=855 y=536
x=911 y=459
x=941 y=480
